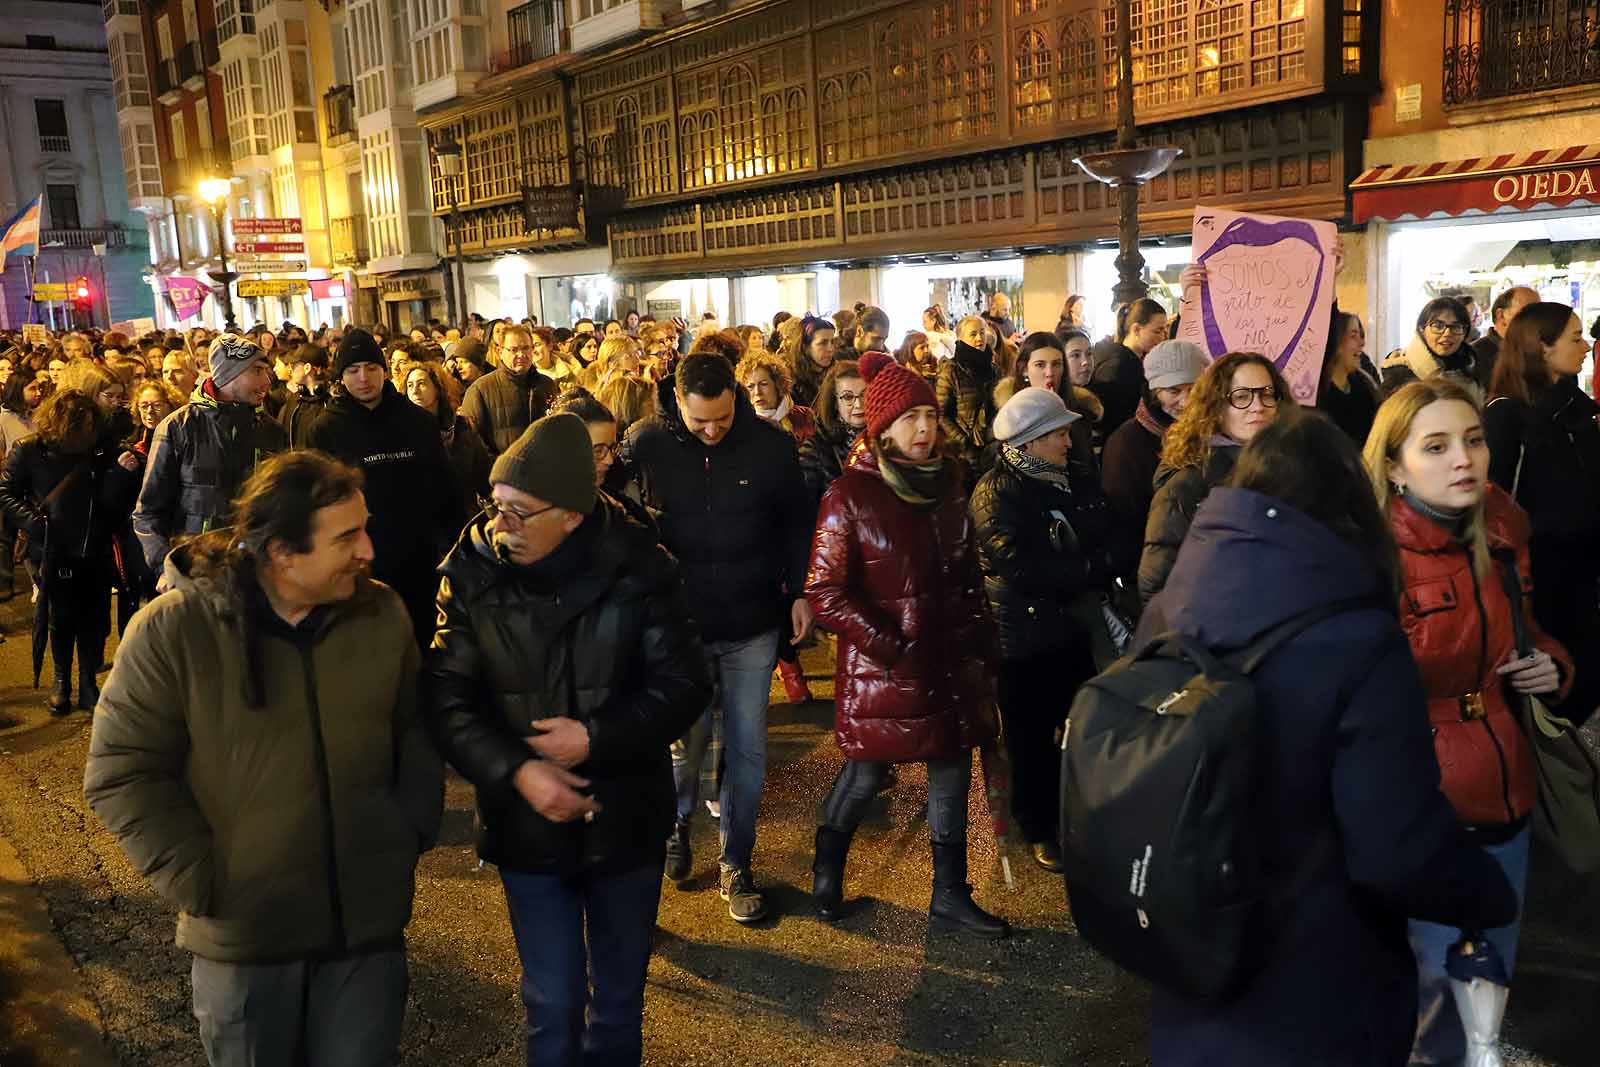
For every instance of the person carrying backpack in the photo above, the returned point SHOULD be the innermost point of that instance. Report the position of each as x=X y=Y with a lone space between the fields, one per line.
x=1341 y=827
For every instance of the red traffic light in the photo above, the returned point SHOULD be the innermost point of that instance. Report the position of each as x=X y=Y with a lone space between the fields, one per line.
x=80 y=288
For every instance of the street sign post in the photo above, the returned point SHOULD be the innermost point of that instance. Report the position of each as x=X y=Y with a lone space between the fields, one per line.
x=266 y=226
x=275 y=287
x=251 y=265
x=267 y=248
x=50 y=291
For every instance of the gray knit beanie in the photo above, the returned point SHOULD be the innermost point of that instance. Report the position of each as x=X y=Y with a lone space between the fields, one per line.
x=553 y=461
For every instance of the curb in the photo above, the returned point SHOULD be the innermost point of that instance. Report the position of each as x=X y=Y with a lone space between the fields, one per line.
x=46 y=1014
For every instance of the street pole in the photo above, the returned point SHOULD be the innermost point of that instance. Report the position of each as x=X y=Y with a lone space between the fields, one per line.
x=224 y=276
x=100 y=258
x=459 y=314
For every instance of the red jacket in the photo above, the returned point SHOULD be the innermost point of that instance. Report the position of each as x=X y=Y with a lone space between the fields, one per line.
x=1459 y=625
x=901 y=588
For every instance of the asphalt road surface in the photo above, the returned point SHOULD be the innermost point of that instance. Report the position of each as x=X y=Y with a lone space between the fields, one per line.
x=874 y=990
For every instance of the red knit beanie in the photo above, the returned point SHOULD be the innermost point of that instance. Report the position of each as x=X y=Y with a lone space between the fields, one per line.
x=892 y=390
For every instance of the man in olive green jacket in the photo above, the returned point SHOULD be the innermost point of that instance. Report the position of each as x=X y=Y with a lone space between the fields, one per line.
x=257 y=753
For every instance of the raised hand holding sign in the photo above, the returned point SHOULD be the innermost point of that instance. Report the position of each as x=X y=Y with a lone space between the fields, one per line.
x=1266 y=286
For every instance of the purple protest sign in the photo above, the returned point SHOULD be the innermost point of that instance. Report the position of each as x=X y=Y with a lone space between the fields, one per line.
x=1269 y=289
x=188 y=294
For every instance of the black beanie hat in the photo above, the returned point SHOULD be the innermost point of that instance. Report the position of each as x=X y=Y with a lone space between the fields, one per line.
x=553 y=461
x=358 y=346
x=473 y=351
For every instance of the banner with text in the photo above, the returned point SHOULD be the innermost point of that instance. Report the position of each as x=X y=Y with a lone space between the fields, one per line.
x=1269 y=289
x=188 y=294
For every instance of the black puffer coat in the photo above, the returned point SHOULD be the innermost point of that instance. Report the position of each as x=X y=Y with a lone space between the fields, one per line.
x=201 y=455
x=501 y=405
x=965 y=393
x=1179 y=494
x=735 y=514
x=598 y=631
x=1040 y=548
x=822 y=457
x=299 y=413
x=85 y=517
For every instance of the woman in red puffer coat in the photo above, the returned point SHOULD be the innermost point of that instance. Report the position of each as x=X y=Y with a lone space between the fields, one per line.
x=894 y=572
x=1457 y=537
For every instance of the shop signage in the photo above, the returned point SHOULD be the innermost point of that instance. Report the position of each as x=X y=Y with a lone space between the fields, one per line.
x=259 y=226
x=269 y=248
x=50 y=291
x=662 y=310
x=550 y=207
x=1524 y=189
x=278 y=287
x=249 y=265
x=1269 y=289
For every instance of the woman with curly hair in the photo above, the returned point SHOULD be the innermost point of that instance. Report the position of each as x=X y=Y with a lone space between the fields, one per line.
x=809 y=347
x=1234 y=399
x=765 y=378
x=435 y=390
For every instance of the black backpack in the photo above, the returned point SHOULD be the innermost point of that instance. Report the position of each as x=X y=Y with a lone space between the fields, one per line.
x=1159 y=847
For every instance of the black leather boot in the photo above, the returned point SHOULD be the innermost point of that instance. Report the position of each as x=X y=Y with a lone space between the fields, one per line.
x=827 y=872
x=88 y=691
x=61 y=694
x=952 y=909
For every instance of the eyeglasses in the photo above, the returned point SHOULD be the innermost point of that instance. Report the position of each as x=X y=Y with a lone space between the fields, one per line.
x=1243 y=398
x=153 y=405
x=1440 y=326
x=494 y=509
x=601 y=451
x=850 y=400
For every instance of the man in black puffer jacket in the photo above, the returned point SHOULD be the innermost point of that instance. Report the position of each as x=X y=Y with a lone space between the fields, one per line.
x=411 y=487
x=564 y=665
x=733 y=508
x=504 y=402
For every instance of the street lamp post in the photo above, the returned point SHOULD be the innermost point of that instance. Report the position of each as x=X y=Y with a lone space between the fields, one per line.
x=100 y=258
x=214 y=191
x=1127 y=168
x=448 y=153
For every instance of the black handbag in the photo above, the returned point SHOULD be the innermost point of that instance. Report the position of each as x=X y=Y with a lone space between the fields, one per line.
x=1567 y=818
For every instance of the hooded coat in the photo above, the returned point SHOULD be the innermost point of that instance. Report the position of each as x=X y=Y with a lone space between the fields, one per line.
x=1348 y=761
x=902 y=589
x=735 y=514
x=282 y=828
x=410 y=485
x=523 y=643
x=200 y=458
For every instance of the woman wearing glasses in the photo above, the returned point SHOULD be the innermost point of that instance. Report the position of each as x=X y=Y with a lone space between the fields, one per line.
x=1233 y=400
x=1438 y=347
x=841 y=415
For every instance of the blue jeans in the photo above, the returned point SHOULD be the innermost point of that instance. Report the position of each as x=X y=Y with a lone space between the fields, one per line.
x=742 y=671
x=584 y=943
x=1440 y=1037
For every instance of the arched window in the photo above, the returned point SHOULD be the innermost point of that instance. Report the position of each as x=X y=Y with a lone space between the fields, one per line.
x=830 y=121
x=710 y=149
x=796 y=134
x=737 y=109
x=773 y=139
x=1076 y=95
x=946 y=98
x=689 y=154
x=629 y=159
x=1035 y=58
x=978 y=83
x=861 y=126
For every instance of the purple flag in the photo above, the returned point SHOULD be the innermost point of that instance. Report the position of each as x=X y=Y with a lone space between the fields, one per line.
x=187 y=294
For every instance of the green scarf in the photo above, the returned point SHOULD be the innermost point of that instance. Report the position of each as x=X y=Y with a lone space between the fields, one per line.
x=922 y=485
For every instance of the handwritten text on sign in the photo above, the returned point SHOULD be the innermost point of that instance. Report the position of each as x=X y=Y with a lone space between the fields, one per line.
x=1269 y=289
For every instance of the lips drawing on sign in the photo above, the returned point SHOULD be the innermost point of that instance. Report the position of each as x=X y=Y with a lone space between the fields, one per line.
x=1286 y=253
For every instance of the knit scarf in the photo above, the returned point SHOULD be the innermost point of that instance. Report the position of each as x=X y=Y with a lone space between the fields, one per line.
x=1155 y=420
x=922 y=485
x=1034 y=467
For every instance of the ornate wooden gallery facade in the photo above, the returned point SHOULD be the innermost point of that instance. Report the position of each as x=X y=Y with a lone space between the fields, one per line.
x=803 y=131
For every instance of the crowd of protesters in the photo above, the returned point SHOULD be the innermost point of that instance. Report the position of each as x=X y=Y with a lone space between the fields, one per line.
x=570 y=563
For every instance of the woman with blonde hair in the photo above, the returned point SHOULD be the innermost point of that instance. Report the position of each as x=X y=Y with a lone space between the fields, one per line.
x=941 y=338
x=619 y=356
x=765 y=378
x=1233 y=400
x=629 y=399
x=1466 y=607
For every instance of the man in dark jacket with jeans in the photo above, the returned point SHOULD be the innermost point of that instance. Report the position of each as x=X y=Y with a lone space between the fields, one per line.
x=734 y=510
x=563 y=668
x=506 y=401
x=411 y=484
x=258 y=754
x=203 y=452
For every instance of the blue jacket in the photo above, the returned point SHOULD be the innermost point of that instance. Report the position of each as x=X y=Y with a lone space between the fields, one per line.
x=1344 y=726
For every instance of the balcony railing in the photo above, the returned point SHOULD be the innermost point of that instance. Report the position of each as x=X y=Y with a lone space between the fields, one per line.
x=1499 y=48
x=52 y=143
x=339 y=114
x=535 y=31
x=348 y=235
x=110 y=237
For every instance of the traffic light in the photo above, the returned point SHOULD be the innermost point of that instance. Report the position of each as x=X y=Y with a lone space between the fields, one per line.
x=80 y=291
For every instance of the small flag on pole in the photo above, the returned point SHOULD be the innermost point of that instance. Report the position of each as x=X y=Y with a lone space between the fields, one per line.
x=21 y=233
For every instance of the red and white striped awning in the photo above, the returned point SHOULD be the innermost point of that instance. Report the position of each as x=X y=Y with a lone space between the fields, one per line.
x=1516 y=181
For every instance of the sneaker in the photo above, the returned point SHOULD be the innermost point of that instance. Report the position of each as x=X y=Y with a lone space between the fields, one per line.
x=745 y=902
x=679 y=857
x=715 y=808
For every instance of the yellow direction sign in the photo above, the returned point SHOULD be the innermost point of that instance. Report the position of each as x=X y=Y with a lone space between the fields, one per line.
x=50 y=291
x=276 y=287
